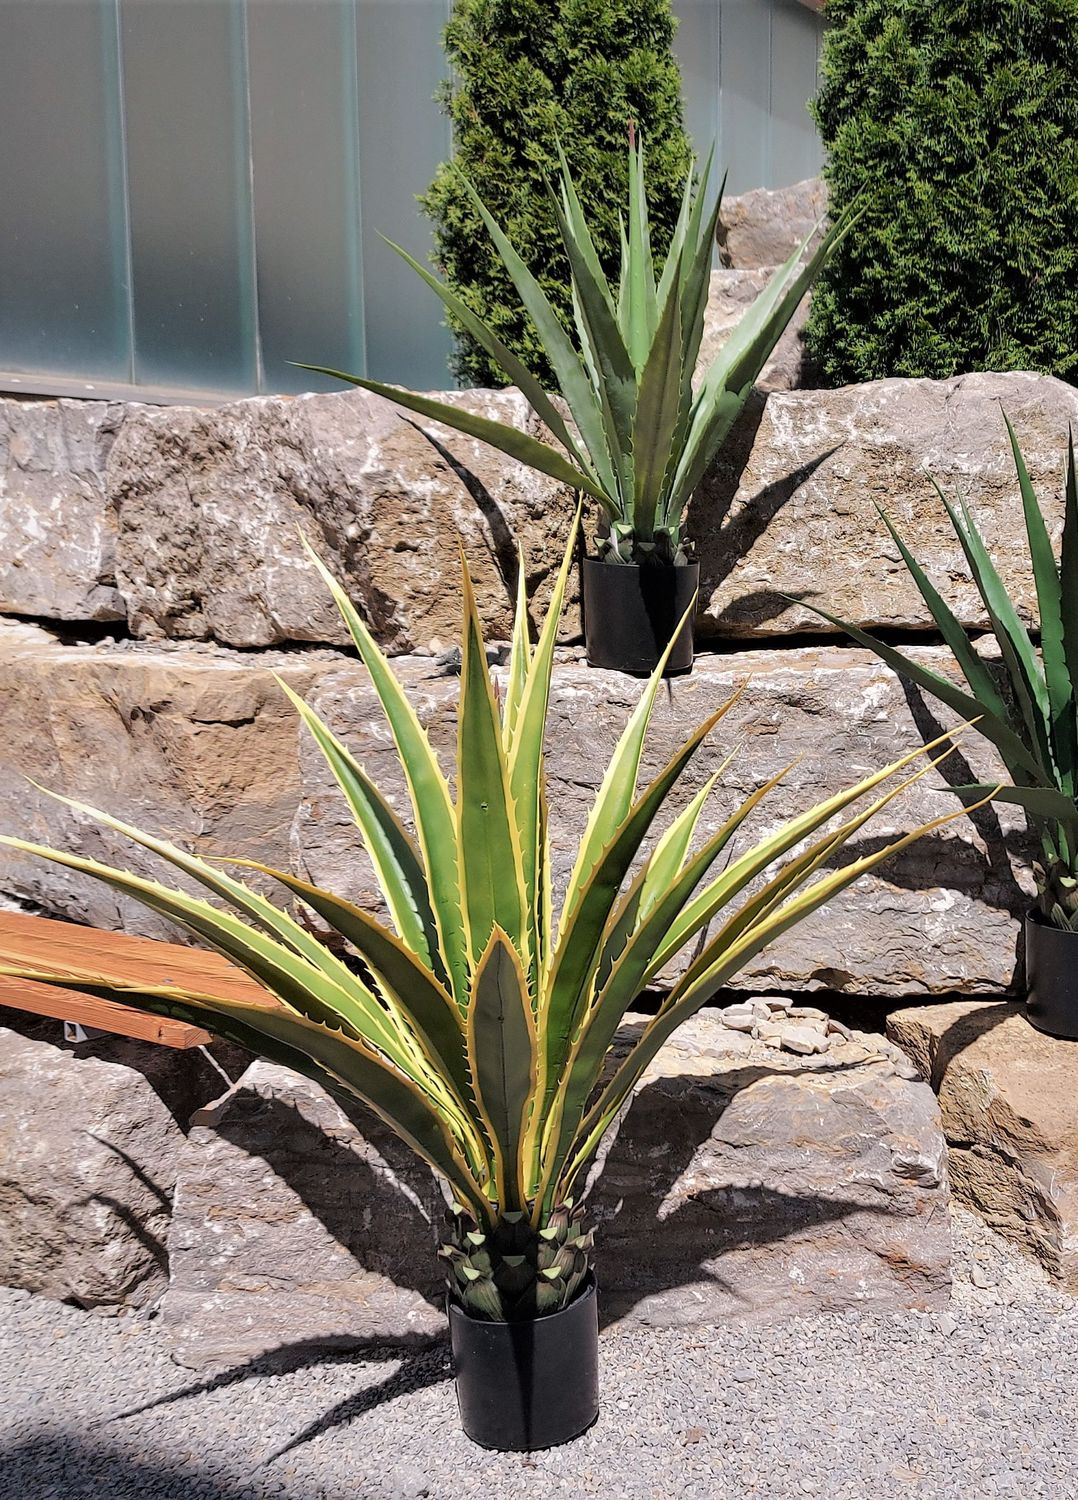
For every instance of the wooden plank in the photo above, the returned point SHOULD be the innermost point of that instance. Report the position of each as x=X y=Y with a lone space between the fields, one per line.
x=104 y=1015
x=63 y=948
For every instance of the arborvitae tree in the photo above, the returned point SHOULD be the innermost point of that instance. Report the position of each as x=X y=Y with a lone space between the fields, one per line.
x=528 y=73
x=955 y=122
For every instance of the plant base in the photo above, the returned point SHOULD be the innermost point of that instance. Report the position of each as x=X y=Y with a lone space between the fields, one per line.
x=527 y=1385
x=631 y=613
x=1051 y=978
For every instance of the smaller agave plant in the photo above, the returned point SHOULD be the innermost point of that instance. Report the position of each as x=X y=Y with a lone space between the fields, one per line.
x=479 y=1030
x=647 y=427
x=1029 y=711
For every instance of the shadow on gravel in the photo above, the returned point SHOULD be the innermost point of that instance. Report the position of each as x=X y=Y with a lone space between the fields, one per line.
x=64 y=1467
x=421 y=1362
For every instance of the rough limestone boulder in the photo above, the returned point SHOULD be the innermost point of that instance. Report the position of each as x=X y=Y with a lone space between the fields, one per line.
x=790 y=508
x=293 y=1222
x=57 y=523
x=211 y=503
x=207 y=505
x=197 y=745
x=943 y=917
x=743 y=1181
x=88 y=1155
x=764 y=227
x=731 y=295
x=1010 y=1113
x=746 y=1181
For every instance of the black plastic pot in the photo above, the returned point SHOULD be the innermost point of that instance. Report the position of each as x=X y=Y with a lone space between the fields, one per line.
x=1051 y=977
x=631 y=613
x=527 y=1385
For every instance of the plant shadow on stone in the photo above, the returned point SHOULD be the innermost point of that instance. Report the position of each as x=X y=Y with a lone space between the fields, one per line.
x=719 y=543
x=501 y=534
x=315 y=1165
x=988 y=874
x=722 y=542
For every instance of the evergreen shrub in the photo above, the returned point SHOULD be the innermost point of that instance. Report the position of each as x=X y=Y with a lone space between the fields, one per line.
x=526 y=74
x=956 y=124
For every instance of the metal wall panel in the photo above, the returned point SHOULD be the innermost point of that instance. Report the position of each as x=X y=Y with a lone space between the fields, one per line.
x=302 y=87
x=195 y=190
x=749 y=70
x=63 y=236
x=183 y=66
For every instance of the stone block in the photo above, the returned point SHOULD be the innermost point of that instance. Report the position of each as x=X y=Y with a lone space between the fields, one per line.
x=295 y=1223
x=211 y=504
x=1010 y=1113
x=942 y=917
x=88 y=1157
x=57 y=523
x=765 y=226
x=197 y=746
x=789 y=510
x=742 y=1182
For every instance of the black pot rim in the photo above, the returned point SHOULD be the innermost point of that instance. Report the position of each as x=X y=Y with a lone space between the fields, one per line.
x=1034 y=914
x=456 y=1309
x=627 y=567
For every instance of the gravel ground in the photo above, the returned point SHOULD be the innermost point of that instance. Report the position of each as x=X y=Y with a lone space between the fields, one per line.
x=980 y=1400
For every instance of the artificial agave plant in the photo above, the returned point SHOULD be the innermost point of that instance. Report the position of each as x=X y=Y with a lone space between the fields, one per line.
x=475 y=1027
x=646 y=428
x=1031 y=715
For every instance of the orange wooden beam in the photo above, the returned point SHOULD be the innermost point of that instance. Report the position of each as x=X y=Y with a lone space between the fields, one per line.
x=102 y=1015
x=63 y=948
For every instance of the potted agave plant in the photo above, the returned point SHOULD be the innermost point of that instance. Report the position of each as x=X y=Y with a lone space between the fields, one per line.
x=645 y=427
x=477 y=1030
x=1031 y=716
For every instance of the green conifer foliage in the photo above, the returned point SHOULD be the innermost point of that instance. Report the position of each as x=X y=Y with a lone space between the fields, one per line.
x=956 y=123
x=526 y=73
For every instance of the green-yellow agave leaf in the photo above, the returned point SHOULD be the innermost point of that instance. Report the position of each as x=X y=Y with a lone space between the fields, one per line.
x=475 y=1024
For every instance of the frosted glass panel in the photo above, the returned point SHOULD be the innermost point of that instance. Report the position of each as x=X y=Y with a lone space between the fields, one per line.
x=696 y=43
x=302 y=61
x=193 y=191
x=63 y=301
x=795 y=147
x=403 y=136
x=189 y=192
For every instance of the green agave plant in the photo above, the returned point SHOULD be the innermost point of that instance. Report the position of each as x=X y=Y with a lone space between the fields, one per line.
x=1031 y=718
x=480 y=1034
x=645 y=432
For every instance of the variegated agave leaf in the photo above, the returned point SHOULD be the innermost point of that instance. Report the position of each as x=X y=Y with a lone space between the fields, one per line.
x=474 y=1024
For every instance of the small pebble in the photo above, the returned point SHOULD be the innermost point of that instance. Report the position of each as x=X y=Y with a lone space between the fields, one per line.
x=739 y=1023
x=804 y=1040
